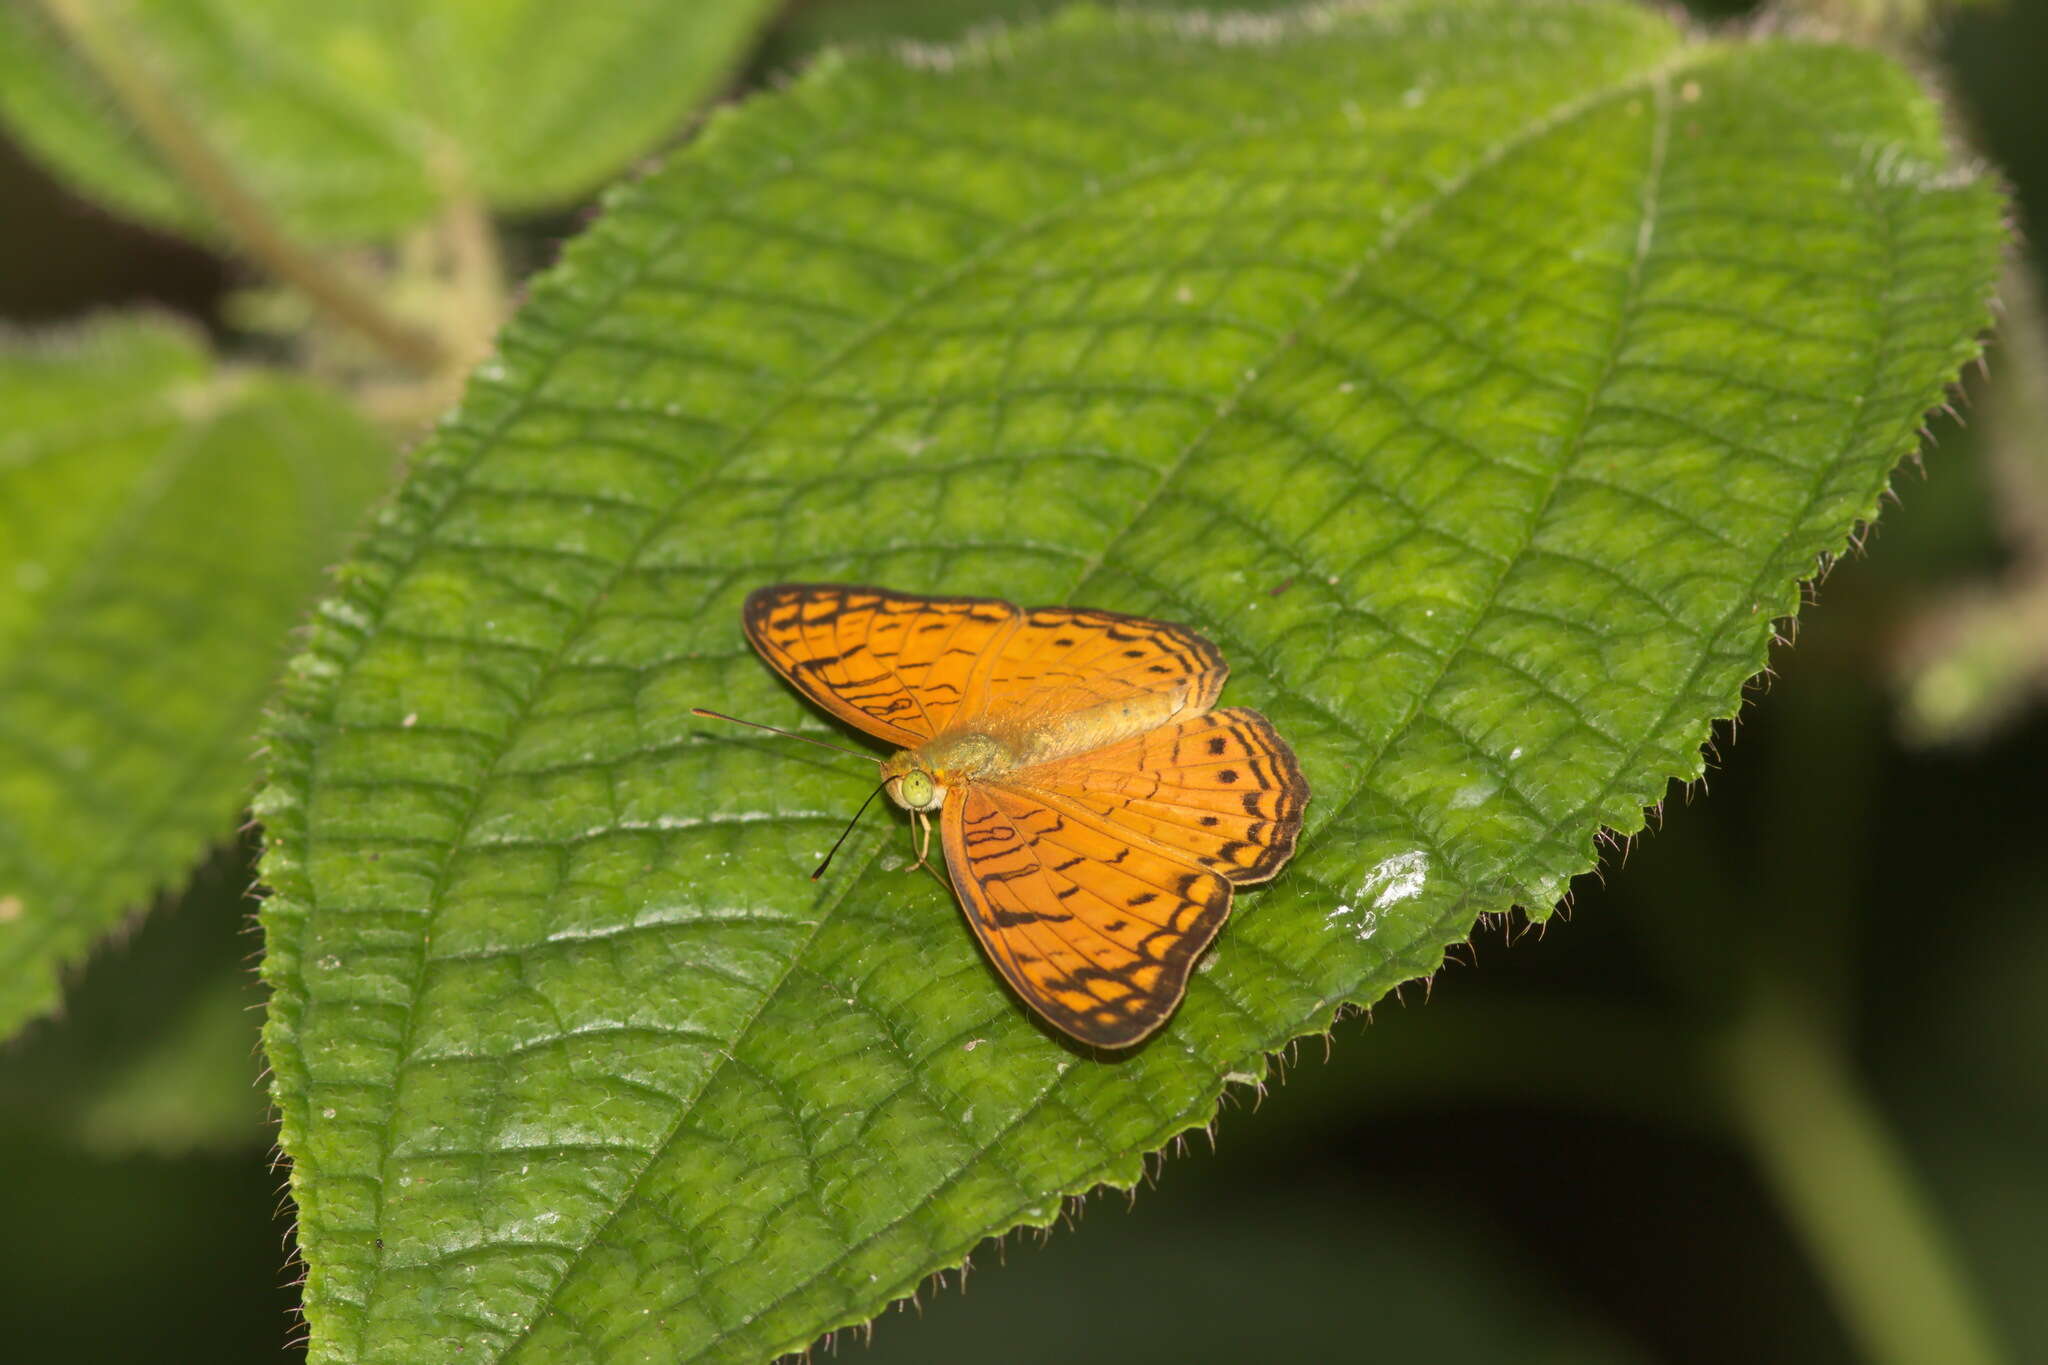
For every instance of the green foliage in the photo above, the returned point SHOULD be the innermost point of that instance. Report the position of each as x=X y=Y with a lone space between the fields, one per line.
x=1482 y=378
x=1978 y=658
x=162 y=524
x=355 y=120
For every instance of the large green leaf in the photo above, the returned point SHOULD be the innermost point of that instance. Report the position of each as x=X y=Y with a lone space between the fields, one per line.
x=356 y=118
x=161 y=526
x=1481 y=377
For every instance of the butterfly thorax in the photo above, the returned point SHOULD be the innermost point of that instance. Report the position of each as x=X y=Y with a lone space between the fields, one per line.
x=919 y=778
x=967 y=755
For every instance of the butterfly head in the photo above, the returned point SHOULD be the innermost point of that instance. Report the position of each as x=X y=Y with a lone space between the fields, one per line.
x=911 y=785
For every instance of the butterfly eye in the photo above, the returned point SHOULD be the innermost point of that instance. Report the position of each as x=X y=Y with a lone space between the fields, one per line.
x=918 y=789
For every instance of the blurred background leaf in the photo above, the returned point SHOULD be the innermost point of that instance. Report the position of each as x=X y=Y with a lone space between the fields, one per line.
x=1340 y=1265
x=358 y=120
x=1482 y=378
x=1976 y=659
x=134 y=1130
x=163 y=524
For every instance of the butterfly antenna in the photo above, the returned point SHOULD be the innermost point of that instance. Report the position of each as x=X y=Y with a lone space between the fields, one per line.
x=849 y=828
x=775 y=730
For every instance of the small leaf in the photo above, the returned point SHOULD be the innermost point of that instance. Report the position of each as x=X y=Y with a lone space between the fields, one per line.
x=161 y=526
x=1482 y=378
x=354 y=120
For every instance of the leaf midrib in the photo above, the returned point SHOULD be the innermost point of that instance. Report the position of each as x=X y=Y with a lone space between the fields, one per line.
x=1658 y=81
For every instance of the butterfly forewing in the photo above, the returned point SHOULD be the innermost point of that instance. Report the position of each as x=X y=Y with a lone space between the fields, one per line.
x=893 y=665
x=1061 y=661
x=1095 y=933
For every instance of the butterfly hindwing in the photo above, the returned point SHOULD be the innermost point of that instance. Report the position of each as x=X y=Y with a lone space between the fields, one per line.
x=1095 y=933
x=1222 y=791
x=894 y=665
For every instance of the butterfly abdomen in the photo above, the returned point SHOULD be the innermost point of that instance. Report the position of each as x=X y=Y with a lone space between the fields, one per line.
x=1096 y=727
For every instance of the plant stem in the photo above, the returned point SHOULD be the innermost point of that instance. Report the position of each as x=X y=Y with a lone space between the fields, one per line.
x=181 y=144
x=478 y=271
x=1848 y=1190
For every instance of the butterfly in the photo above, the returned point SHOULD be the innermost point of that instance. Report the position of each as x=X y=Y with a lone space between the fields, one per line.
x=1093 y=809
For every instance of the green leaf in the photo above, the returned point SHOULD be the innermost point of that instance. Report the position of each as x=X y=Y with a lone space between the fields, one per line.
x=355 y=118
x=161 y=526
x=1482 y=378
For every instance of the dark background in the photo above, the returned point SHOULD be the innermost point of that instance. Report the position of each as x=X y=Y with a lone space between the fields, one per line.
x=1522 y=1162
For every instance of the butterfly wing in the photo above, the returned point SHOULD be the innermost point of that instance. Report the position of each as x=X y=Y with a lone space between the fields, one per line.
x=894 y=665
x=1096 y=881
x=1065 y=660
x=1096 y=933
x=1221 y=791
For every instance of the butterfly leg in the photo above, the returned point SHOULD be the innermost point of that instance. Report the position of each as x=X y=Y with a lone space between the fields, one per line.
x=924 y=855
x=923 y=823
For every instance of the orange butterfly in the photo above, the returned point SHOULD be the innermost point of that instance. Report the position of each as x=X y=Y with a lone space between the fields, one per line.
x=1093 y=810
